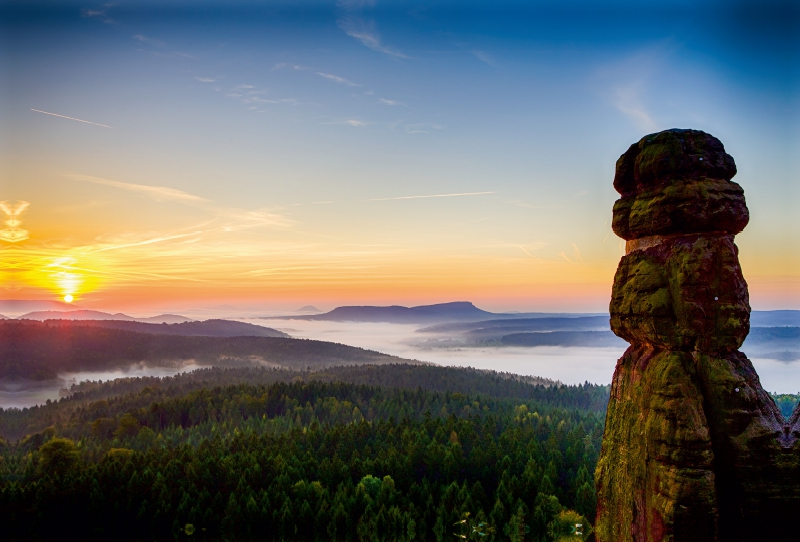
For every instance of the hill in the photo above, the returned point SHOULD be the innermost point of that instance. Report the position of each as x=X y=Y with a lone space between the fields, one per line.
x=396 y=314
x=206 y=328
x=595 y=339
x=774 y=318
x=457 y=311
x=98 y=315
x=127 y=393
x=38 y=351
x=21 y=306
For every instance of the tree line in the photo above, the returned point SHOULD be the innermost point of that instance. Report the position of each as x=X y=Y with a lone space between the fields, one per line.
x=307 y=460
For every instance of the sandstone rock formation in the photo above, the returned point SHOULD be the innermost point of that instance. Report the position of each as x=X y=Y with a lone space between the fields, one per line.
x=694 y=448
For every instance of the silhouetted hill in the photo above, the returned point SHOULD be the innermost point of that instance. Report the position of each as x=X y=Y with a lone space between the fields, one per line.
x=395 y=314
x=506 y=325
x=20 y=306
x=774 y=318
x=597 y=339
x=38 y=351
x=207 y=328
x=98 y=315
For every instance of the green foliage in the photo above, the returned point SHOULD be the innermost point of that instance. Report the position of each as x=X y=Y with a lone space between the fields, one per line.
x=308 y=460
x=58 y=456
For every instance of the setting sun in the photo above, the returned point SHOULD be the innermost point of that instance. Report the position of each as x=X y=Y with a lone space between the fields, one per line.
x=68 y=298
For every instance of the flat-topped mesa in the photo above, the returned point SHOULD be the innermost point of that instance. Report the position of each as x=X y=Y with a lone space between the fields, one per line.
x=677 y=199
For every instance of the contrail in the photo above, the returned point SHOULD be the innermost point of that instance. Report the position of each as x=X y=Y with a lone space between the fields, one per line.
x=70 y=118
x=434 y=196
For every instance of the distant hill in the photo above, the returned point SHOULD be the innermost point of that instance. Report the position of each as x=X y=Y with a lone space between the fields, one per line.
x=20 y=306
x=207 y=328
x=395 y=314
x=596 y=339
x=774 y=318
x=97 y=315
x=457 y=311
x=38 y=351
x=470 y=332
x=308 y=308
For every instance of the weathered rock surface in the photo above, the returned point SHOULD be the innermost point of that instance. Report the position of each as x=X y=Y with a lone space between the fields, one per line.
x=694 y=448
x=677 y=181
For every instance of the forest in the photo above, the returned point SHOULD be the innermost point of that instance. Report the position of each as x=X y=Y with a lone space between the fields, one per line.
x=398 y=452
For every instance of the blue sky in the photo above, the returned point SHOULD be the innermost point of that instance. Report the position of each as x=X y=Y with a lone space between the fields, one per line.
x=292 y=141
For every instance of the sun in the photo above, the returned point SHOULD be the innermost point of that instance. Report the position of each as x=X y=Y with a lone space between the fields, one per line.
x=68 y=298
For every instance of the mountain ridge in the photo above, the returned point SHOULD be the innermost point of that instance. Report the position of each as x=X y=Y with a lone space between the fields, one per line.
x=205 y=328
x=455 y=311
x=85 y=314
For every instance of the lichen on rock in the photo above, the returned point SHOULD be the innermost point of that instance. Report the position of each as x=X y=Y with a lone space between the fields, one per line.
x=694 y=448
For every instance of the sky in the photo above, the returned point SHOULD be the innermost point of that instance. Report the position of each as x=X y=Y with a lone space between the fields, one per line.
x=160 y=155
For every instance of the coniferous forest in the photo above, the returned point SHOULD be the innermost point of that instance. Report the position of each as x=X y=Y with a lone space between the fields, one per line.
x=393 y=452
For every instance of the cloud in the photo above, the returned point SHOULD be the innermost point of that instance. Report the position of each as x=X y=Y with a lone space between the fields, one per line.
x=282 y=65
x=149 y=41
x=158 y=193
x=434 y=196
x=576 y=255
x=422 y=128
x=101 y=14
x=230 y=218
x=626 y=84
x=628 y=101
x=338 y=79
x=532 y=246
x=354 y=122
x=71 y=118
x=391 y=102
x=363 y=30
x=206 y=79
x=403 y=198
x=483 y=57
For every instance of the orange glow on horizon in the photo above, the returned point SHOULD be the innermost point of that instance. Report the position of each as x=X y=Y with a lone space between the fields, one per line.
x=238 y=263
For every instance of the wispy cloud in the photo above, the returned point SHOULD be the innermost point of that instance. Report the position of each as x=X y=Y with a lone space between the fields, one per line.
x=338 y=79
x=576 y=255
x=255 y=97
x=350 y=122
x=422 y=128
x=532 y=246
x=627 y=84
x=391 y=102
x=229 y=218
x=283 y=65
x=149 y=41
x=483 y=57
x=363 y=30
x=101 y=13
x=425 y=196
x=158 y=193
x=628 y=100
x=206 y=79
x=71 y=118
x=433 y=196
